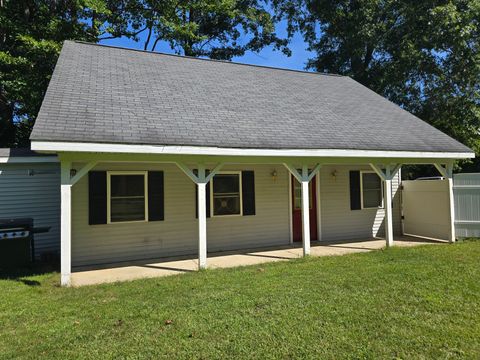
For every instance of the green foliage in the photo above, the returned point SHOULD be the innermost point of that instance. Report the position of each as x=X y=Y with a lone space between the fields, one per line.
x=402 y=303
x=218 y=29
x=423 y=55
x=31 y=35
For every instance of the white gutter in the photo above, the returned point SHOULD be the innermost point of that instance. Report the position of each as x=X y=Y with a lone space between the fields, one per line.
x=50 y=146
x=28 y=159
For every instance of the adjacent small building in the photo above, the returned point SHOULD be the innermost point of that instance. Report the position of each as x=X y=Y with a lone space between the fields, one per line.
x=30 y=188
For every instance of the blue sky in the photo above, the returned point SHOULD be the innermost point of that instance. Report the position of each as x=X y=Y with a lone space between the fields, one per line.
x=267 y=56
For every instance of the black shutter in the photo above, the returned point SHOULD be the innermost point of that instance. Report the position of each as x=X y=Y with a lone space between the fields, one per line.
x=155 y=196
x=248 y=192
x=97 y=197
x=355 y=199
x=207 y=195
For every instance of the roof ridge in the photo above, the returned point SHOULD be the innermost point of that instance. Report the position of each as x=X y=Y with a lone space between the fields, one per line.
x=205 y=59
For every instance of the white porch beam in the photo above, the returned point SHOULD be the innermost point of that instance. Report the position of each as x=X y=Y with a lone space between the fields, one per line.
x=188 y=172
x=212 y=173
x=82 y=172
x=314 y=172
x=395 y=170
x=441 y=169
x=66 y=224
x=379 y=171
x=293 y=171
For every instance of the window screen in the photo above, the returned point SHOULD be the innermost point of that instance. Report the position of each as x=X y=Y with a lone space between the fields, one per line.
x=371 y=190
x=127 y=197
x=226 y=194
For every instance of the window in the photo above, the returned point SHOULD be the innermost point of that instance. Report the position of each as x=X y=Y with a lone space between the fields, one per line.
x=372 y=187
x=127 y=199
x=226 y=194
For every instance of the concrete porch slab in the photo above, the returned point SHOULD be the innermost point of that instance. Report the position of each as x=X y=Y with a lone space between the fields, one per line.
x=175 y=266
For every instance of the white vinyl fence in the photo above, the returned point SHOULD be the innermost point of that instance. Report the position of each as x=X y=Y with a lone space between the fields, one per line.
x=466 y=190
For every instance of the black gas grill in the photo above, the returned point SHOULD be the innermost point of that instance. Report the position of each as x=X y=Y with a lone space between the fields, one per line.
x=17 y=245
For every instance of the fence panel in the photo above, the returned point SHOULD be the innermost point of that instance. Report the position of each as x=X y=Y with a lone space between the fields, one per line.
x=426 y=208
x=466 y=190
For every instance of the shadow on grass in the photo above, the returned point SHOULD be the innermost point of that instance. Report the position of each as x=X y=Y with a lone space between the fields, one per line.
x=22 y=274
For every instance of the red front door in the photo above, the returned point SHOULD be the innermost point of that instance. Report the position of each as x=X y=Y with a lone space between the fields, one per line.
x=297 y=209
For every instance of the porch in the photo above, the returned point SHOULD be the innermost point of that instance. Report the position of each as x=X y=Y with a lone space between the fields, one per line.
x=177 y=201
x=127 y=271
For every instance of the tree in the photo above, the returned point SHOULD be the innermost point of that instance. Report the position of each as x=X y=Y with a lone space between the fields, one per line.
x=31 y=36
x=423 y=55
x=218 y=29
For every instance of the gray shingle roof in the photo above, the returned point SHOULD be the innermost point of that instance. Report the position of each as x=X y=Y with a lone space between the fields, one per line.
x=113 y=95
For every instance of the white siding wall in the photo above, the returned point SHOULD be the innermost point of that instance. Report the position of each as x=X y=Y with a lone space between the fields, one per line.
x=33 y=190
x=178 y=233
x=341 y=223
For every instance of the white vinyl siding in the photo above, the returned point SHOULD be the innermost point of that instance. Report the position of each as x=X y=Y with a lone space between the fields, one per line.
x=178 y=233
x=339 y=222
x=33 y=191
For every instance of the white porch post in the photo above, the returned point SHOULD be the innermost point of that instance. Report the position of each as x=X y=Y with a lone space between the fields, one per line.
x=451 y=237
x=390 y=171
x=304 y=179
x=305 y=212
x=201 y=179
x=388 y=209
x=447 y=173
x=202 y=218
x=66 y=224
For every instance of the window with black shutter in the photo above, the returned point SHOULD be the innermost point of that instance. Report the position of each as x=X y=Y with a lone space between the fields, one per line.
x=366 y=190
x=226 y=190
x=116 y=197
x=232 y=194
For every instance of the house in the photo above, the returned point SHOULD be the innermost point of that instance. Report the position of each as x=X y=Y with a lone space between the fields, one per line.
x=163 y=155
x=30 y=188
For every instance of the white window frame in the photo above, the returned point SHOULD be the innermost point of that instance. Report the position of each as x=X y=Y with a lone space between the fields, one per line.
x=239 y=173
x=109 y=200
x=361 y=190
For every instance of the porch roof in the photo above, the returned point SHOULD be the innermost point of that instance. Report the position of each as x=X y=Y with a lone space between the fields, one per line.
x=101 y=94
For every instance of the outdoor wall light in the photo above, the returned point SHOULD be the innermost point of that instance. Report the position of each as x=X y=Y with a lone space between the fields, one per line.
x=73 y=172
x=334 y=174
x=274 y=174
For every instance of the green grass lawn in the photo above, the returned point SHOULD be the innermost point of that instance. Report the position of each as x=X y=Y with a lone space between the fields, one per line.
x=405 y=303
